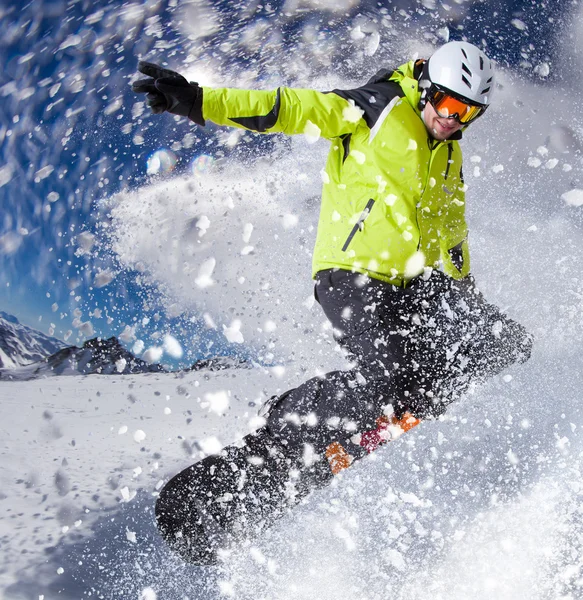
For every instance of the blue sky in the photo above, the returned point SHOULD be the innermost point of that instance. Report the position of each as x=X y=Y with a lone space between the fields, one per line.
x=67 y=132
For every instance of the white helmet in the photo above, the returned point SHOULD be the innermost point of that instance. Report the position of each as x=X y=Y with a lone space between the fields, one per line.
x=464 y=70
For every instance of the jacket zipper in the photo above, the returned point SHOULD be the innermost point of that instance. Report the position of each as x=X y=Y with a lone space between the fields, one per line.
x=449 y=153
x=359 y=225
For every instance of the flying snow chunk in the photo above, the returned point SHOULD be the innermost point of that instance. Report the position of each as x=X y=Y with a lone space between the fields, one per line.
x=203 y=224
x=43 y=173
x=85 y=241
x=290 y=221
x=233 y=332
x=520 y=25
x=71 y=40
x=311 y=132
x=498 y=168
x=120 y=365
x=217 y=402
x=53 y=196
x=269 y=326
x=534 y=162
x=358 y=156
x=148 y=594
x=6 y=173
x=103 y=278
x=138 y=347
x=372 y=44
x=226 y=588
x=172 y=346
x=543 y=69
x=412 y=145
x=352 y=113
x=153 y=354
x=573 y=197
x=86 y=329
x=395 y=558
x=357 y=34
x=205 y=273
x=247 y=231
x=415 y=265
x=210 y=445
x=131 y=536
x=126 y=494
x=139 y=435
x=128 y=334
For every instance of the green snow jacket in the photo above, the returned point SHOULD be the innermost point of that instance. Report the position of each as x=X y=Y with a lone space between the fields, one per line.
x=393 y=198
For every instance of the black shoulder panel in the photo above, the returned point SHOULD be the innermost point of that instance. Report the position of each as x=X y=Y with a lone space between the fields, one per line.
x=374 y=96
x=261 y=123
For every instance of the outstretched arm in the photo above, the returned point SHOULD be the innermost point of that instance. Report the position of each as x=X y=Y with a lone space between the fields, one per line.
x=285 y=110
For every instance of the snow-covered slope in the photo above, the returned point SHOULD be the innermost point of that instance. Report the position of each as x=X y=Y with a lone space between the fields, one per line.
x=21 y=345
x=96 y=356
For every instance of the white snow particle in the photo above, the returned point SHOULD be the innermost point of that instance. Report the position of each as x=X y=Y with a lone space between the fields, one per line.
x=128 y=334
x=153 y=354
x=233 y=332
x=269 y=326
x=290 y=221
x=148 y=594
x=120 y=365
x=205 y=272
x=498 y=168
x=43 y=173
x=358 y=156
x=172 y=346
x=533 y=161
x=247 y=231
x=217 y=402
x=103 y=278
x=395 y=559
x=123 y=429
x=390 y=199
x=139 y=435
x=167 y=411
x=412 y=145
x=352 y=113
x=210 y=445
x=520 y=25
x=573 y=197
x=311 y=132
x=227 y=589
x=415 y=265
x=6 y=172
x=131 y=536
x=126 y=494
x=203 y=224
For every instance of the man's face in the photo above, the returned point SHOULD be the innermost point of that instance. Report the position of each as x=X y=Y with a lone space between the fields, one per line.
x=439 y=128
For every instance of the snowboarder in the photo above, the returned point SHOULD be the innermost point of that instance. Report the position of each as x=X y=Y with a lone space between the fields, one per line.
x=391 y=260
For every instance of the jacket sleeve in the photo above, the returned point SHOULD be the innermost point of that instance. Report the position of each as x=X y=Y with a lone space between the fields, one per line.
x=455 y=252
x=285 y=110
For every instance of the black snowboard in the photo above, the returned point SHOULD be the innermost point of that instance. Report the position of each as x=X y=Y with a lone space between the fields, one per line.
x=235 y=495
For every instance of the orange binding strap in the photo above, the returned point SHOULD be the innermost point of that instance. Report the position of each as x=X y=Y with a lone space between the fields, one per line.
x=388 y=429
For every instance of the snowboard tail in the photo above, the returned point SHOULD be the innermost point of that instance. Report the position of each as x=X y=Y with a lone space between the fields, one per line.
x=235 y=495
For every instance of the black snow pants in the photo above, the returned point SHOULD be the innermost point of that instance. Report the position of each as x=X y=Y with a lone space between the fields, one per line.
x=415 y=349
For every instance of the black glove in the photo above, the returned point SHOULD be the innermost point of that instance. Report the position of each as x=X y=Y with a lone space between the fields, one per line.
x=169 y=91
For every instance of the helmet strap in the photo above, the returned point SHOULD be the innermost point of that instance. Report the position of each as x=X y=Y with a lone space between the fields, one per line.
x=424 y=83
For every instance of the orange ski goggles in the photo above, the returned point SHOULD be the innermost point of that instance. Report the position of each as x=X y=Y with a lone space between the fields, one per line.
x=450 y=107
